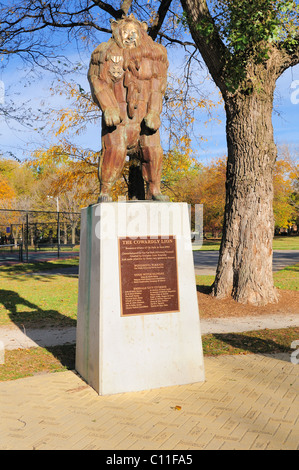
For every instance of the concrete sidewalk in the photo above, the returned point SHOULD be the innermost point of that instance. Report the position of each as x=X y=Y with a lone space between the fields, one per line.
x=247 y=402
x=13 y=337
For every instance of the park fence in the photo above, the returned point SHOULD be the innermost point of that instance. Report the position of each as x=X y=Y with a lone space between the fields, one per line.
x=33 y=235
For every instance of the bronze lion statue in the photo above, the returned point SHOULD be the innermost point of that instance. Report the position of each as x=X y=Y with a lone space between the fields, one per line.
x=128 y=76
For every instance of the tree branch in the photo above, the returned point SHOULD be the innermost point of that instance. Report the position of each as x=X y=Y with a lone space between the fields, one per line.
x=108 y=8
x=160 y=16
x=290 y=57
x=177 y=41
x=116 y=14
x=211 y=46
x=15 y=28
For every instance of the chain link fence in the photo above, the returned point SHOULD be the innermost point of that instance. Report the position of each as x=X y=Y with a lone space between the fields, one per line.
x=32 y=235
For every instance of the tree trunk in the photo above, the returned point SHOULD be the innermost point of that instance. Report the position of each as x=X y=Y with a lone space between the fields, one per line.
x=65 y=233
x=245 y=263
x=73 y=231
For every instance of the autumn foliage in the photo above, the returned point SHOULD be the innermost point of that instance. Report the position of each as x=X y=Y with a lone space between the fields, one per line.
x=6 y=191
x=205 y=184
x=69 y=173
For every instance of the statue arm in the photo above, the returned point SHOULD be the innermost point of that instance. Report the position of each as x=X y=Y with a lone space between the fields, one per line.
x=101 y=89
x=158 y=87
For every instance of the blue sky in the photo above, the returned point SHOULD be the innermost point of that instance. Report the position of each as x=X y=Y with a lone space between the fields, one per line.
x=21 y=141
x=285 y=119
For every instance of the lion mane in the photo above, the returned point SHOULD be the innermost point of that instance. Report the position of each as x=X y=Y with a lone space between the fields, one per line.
x=146 y=47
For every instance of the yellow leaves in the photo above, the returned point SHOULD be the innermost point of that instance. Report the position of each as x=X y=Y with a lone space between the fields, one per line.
x=181 y=109
x=68 y=170
x=284 y=175
x=74 y=118
x=49 y=158
x=213 y=193
x=7 y=193
x=179 y=170
x=176 y=162
x=202 y=184
x=294 y=172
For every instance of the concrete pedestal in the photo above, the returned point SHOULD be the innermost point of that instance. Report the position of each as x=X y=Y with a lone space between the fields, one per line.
x=138 y=323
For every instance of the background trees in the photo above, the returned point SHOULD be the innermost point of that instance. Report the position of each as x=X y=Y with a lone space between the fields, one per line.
x=52 y=174
x=246 y=47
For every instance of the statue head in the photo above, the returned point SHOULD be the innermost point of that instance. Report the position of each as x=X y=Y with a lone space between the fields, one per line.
x=128 y=31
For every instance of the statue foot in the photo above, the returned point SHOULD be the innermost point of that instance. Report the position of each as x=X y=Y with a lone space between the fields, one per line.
x=104 y=198
x=160 y=198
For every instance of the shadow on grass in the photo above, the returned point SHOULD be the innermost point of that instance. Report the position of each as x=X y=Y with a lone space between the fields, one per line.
x=252 y=344
x=65 y=354
x=204 y=289
x=35 y=316
x=41 y=270
x=294 y=268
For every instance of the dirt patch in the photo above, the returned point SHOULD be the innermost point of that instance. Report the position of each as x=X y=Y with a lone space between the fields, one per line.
x=210 y=307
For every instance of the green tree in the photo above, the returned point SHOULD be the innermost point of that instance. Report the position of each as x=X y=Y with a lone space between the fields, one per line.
x=246 y=46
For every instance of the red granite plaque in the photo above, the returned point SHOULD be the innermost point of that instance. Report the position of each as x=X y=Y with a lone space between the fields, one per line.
x=148 y=275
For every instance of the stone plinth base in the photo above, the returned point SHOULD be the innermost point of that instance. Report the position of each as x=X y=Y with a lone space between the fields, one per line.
x=138 y=323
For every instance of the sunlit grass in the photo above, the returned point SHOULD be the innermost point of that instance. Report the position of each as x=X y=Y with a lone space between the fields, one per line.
x=279 y=243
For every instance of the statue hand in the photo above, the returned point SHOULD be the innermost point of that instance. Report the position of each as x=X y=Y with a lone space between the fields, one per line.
x=112 y=116
x=152 y=120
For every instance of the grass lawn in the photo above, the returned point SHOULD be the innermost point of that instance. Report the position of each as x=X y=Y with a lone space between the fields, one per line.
x=257 y=342
x=21 y=363
x=286 y=279
x=286 y=243
x=210 y=245
x=32 y=299
x=27 y=362
x=279 y=243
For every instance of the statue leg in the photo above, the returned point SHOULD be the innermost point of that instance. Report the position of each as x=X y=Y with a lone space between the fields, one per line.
x=112 y=161
x=152 y=157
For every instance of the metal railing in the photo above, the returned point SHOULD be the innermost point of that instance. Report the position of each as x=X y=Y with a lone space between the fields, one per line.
x=11 y=252
x=26 y=235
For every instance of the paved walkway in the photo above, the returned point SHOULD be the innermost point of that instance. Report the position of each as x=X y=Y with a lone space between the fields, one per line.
x=247 y=402
x=13 y=337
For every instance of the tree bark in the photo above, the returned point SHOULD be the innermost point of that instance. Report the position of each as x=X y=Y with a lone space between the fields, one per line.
x=245 y=263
